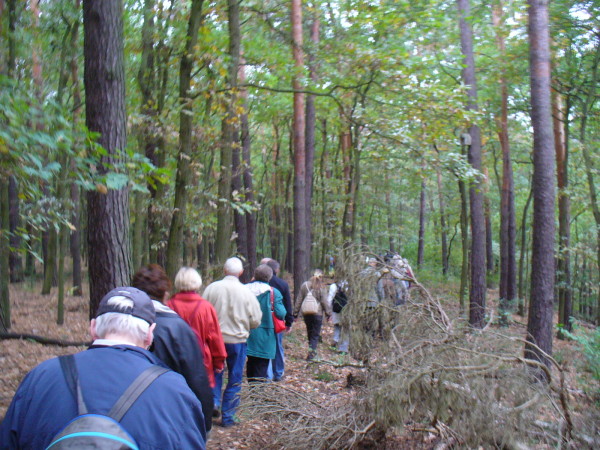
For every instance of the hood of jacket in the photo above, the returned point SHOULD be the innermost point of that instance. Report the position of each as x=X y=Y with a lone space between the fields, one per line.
x=258 y=287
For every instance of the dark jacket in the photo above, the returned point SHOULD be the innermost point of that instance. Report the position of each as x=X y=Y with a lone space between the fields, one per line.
x=284 y=288
x=167 y=415
x=175 y=343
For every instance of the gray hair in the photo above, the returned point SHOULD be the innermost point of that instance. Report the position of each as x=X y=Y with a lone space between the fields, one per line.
x=263 y=273
x=188 y=279
x=233 y=266
x=123 y=324
x=273 y=264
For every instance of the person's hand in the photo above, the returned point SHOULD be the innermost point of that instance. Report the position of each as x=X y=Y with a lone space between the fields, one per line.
x=288 y=329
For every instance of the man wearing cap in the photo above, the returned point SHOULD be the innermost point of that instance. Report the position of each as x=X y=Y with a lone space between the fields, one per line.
x=238 y=311
x=167 y=415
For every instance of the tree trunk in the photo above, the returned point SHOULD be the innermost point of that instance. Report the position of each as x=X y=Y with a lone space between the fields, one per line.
x=230 y=134
x=522 y=259
x=248 y=180
x=489 y=248
x=237 y=169
x=422 y=209
x=239 y=218
x=478 y=284
x=508 y=269
x=589 y=166
x=310 y=133
x=464 y=234
x=174 y=245
x=5 y=319
x=15 y=260
x=301 y=237
x=108 y=211
x=539 y=323
x=563 y=273
x=443 y=223
x=75 y=236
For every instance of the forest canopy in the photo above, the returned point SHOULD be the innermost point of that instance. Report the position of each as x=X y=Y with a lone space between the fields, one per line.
x=294 y=129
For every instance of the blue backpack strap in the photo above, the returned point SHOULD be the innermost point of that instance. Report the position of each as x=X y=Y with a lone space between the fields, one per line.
x=134 y=390
x=69 y=368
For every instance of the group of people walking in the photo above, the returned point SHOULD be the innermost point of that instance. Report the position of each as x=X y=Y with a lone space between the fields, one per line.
x=231 y=326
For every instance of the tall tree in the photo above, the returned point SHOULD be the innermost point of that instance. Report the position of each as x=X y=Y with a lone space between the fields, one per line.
x=301 y=238
x=108 y=210
x=508 y=263
x=232 y=141
x=539 y=322
x=247 y=176
x=174 y=246
x=230 y=137
x=5 y=311
x=588 y=101
x=444 y=230
x=563 y=272
x=75 y=242
x=478 y=267
x=310 y=129
x=422 y=208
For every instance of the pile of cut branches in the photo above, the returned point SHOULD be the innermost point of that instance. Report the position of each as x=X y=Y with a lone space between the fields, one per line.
x=426 y=373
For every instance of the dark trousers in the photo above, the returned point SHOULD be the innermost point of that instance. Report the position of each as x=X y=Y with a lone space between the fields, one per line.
x=313 y=329
x=257 y=368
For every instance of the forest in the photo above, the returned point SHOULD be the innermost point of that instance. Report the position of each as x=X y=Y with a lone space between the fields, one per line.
x=463 y=135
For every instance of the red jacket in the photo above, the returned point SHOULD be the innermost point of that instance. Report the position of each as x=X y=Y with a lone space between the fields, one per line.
x=202 y=317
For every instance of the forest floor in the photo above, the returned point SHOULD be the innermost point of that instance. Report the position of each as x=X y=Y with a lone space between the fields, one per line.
x=36 y=314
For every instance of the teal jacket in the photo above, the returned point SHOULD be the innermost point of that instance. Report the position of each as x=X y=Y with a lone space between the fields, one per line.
x=261 y=342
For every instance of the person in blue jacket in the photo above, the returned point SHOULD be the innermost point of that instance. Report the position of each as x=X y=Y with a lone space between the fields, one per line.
x=167 y=415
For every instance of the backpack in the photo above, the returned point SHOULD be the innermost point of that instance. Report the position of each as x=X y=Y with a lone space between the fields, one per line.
x=310 y=305
x=100 y=431
x=339 y=300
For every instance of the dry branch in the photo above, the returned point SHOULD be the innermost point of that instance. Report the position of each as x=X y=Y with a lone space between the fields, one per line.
x=44 y=340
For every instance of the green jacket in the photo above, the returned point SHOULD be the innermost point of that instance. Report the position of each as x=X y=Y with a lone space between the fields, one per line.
x=261 y=342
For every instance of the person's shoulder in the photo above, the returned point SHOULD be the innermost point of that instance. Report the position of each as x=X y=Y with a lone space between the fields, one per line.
x=46 y=369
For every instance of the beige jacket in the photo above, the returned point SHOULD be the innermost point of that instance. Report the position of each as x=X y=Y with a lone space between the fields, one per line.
x=237 y=308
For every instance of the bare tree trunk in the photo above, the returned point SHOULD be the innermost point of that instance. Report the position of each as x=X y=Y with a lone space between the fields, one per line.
x=248 y=177
x=464 y=233
x=422 y=209
x=75 y=236
x=522 y=259
x=477 y=292
x=310 y=133
x=563 y=273
x=174 y=246
x=443 y=223
x=5 y=313
x=104 y=79
x=589 y=166
x=301 y=237
x=539 y=323
x=15 y=261
x=489 y=250
x=508 y=269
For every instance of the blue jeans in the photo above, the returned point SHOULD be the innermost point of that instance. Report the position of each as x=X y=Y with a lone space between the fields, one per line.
x=277 y=365
x=236 y=360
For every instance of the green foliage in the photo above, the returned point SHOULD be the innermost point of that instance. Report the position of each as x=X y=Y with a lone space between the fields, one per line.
x=325 y=376
x=589 y=340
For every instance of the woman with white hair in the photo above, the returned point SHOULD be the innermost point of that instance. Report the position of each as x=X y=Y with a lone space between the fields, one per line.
x=313 y=321
x=202 y=317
